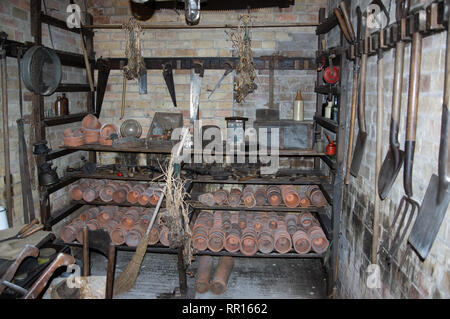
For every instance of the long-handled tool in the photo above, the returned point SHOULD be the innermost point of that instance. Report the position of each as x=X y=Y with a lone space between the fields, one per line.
x=228 y=70
x=346 y=24
x=394 y=157
x=127 y=278
x=197 y=73
x=26 y=231
x=25 y=180
x=379 y=146
x=86 y=61
x=168 y=78
x=437 y=196
x=8 y=179
x=124 y=93
x=362 y=134
x=27 y=251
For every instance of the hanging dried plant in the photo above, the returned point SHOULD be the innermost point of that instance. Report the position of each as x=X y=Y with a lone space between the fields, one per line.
x=244 y=80
x=136 y=63
x=175 y=217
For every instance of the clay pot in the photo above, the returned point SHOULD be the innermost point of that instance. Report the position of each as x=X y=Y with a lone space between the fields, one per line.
x=273 y=221
x=118 y=235
x=291 y=223
x=120 y=195
x=77 y=192
x=273 y=194
x=68 y=132
x=248 y=197
x=203 y=274
x=221 y=275
x=104 y=216
x=301 y=242
x=106 y=193
x=154 y=235
x=164 y=235
x=304 y=200
x=93 y=224
x=283 y=243
x=290 y=196
x=233 y=239
x=306 y=220
x=107 y=129
x=260 y=196
x=200 y=238
x=249 y=242
x=110 y=225
x=207 y=199
x=315 y=195
x=242 y=220
x=145 y=197
x=265 y=241
x=319 y=242
x=91 y=136
x=68 y=233
x=221 y=197
x=154 y=197
x=91 y=122
x=258 y=223
x=90 y=194
x=73 y=141
x=234 y=198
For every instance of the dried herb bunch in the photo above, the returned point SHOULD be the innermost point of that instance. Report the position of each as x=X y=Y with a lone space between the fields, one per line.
x=136 y=63
x=175 y=217
x=244 y=81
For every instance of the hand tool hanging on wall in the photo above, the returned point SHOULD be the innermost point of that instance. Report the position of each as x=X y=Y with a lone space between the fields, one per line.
x=168 y=78
x=142 y=80
x=197 y=73
x=437 y=196
x=394 y=158
x=8 y=178
x=346 y=24
x=362 y=134
x=27 y=194
x=104 y=69
x=228 y=70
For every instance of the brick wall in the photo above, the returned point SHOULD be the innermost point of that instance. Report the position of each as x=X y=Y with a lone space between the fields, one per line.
x=15 y=21
x=416 y=279
x=207 y=43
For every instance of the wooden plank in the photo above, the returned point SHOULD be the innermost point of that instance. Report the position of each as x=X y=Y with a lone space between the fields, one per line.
x=73 y=87
x=61 y=184
x=63 y=25
x=54 y=154
x=61 y=214
x=65 y=119
x=284 y=209
x=327 y=89
x=307 y=180
x=326 y=123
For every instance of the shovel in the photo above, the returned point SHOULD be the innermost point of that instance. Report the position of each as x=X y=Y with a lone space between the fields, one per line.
x=197 y=73
x=437 y=196
x=362 y=134
x=394 y=158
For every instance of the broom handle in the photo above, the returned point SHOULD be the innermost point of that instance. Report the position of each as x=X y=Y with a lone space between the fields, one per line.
x=152 y=221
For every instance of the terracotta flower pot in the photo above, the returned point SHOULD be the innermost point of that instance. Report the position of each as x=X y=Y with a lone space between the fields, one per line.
x=290 y=196
x=301 y=242
x=234 y=198
x=91 y=122
x=273 y=194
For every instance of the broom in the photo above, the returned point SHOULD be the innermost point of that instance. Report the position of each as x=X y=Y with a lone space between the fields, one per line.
x=127 y=278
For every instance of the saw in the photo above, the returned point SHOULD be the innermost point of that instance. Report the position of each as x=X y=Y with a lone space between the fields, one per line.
x=197 y=73
x=168 y=77
x=228 y=70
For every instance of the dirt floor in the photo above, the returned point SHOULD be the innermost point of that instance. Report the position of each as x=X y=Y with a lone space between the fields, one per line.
x=252 y=278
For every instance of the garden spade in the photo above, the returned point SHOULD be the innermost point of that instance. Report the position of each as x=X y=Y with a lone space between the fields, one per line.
x=394 y=157
x=362 y=134
x=437 y=196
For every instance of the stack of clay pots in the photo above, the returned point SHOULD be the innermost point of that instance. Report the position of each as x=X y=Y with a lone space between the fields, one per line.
x=125 y=225
x=250 y=232
x=273 y=195
x=91 y=132
x=110 y=191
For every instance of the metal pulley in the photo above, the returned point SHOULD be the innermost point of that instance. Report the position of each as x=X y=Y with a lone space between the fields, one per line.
x=192 y=11
x=331 y=74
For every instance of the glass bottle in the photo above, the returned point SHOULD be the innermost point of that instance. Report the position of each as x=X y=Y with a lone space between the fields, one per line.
x=58 y=106
x=65 y=104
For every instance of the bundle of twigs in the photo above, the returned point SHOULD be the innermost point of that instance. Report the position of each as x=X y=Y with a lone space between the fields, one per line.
x=136 y=63
x=175 y=217
x=244 y=81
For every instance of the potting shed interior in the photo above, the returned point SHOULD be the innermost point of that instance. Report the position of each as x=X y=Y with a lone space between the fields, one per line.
x=224 y=149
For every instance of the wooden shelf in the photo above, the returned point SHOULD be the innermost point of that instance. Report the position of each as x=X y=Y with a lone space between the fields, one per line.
x=65 y=119
x=307 y=180
x=54 y=154
x=166 y=250
x=200 y=206
x=331 y=163
x=115 y=177
x=63 y=182
x=327 y=123
x=327 y=89
x=102 y=203
x=74 y=87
